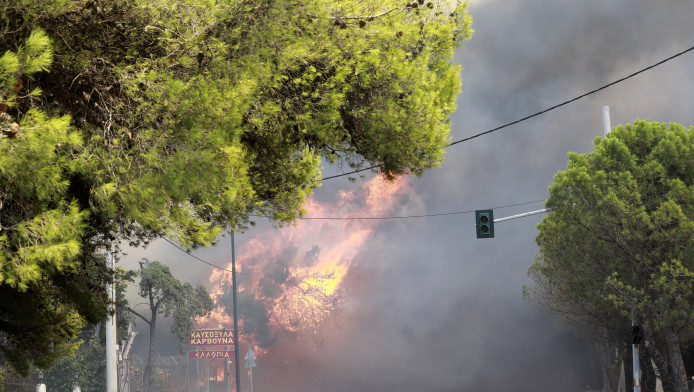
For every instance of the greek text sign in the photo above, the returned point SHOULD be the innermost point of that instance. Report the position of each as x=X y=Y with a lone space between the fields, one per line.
x=211 y=354
x=211 y=337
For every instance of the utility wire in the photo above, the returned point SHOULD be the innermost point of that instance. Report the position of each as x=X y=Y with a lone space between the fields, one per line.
x=537 y=113
x=348 y=218
x=196 y=257
x=452 y=144
x=401 y=217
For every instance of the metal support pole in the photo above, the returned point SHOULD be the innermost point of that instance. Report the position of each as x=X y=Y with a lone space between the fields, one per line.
x=606 y=124
x=251 y=378
x=635 y=359
x=207 y=374
x=111 y=358
x=236 y=324
x=227 y=376
x=523 y=215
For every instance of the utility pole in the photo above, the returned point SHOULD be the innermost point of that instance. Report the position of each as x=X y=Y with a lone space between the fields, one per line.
x=236 y=323
x=111 y=358
x=607 y=127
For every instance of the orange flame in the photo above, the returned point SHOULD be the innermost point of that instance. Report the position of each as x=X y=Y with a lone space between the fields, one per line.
x=323 y=250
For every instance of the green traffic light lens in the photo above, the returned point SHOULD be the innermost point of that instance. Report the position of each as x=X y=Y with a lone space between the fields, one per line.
x=484 y=228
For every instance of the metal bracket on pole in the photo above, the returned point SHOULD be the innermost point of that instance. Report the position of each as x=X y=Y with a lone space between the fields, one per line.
x=523 y=215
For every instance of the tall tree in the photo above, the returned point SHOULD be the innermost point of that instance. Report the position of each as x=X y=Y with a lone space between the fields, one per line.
x=619 y=236
x=168 y=296
x=136 y=119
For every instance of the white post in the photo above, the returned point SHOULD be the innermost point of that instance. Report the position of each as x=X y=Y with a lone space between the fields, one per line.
x=41 y=387
x=111 y=358
x=76 y=387
x=606 y=125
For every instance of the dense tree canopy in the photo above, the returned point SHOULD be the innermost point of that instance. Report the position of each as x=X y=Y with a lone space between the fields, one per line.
x=618 y=241
x=135 y=119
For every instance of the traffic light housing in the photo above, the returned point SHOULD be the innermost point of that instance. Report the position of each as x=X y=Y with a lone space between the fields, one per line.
x=484 y=223
x=636 y=334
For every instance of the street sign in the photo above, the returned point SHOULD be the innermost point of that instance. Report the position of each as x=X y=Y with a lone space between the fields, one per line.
x=211 y=354
x=211 y=337
x=250 y=359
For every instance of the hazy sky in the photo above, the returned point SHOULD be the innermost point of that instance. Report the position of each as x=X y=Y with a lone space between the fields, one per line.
x=426 y=306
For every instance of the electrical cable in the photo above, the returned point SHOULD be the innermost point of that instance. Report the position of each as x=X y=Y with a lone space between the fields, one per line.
x=537 y=113
x=402 y=217
x=196 y=257
x=452 y=144
x=349 y=218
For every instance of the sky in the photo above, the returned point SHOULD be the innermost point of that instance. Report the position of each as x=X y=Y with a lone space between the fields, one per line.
x=423 y=304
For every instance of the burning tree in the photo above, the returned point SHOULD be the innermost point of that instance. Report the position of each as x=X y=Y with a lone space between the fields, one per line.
x=292 y=280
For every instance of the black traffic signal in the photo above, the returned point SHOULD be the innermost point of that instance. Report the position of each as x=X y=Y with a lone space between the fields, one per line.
x=484 y=223
x=636 y=334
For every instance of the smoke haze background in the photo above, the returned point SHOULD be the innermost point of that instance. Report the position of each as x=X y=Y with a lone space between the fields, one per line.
x=426 y=306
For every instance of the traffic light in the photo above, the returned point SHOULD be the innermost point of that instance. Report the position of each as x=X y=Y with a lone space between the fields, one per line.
x=636 y=334
x=484 y=223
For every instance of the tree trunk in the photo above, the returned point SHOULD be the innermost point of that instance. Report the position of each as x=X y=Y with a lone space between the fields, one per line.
x=149 y=371
x=606 y=363
x=648 y=374
x=676 y=365
x=652 y=343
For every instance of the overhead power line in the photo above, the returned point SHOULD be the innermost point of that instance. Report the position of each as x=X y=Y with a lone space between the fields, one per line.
x=452 y=144
x=348 y=218
x=196 y=257
x=537 y=113
x=403 y=216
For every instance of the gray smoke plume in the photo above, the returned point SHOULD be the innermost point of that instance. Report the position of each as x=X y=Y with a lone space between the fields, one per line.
x=427 y=307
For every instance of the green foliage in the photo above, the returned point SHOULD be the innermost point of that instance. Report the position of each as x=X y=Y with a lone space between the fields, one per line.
x=123 y=316
x=45 y=278
x=197 y=114
x=169 y=296
x=32 y=57
x=85 y=366
x=198 y=303
x=135 y=119
x=617 y=243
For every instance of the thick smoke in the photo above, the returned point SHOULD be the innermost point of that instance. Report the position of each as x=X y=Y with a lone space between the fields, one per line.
x=426 y=306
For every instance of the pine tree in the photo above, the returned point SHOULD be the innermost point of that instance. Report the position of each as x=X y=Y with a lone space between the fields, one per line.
x=129 y=120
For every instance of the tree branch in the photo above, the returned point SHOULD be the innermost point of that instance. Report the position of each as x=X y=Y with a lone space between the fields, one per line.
x=365 y=17
x=131 y=310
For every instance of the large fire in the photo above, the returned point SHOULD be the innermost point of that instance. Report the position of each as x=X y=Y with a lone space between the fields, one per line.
x=290 y=279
